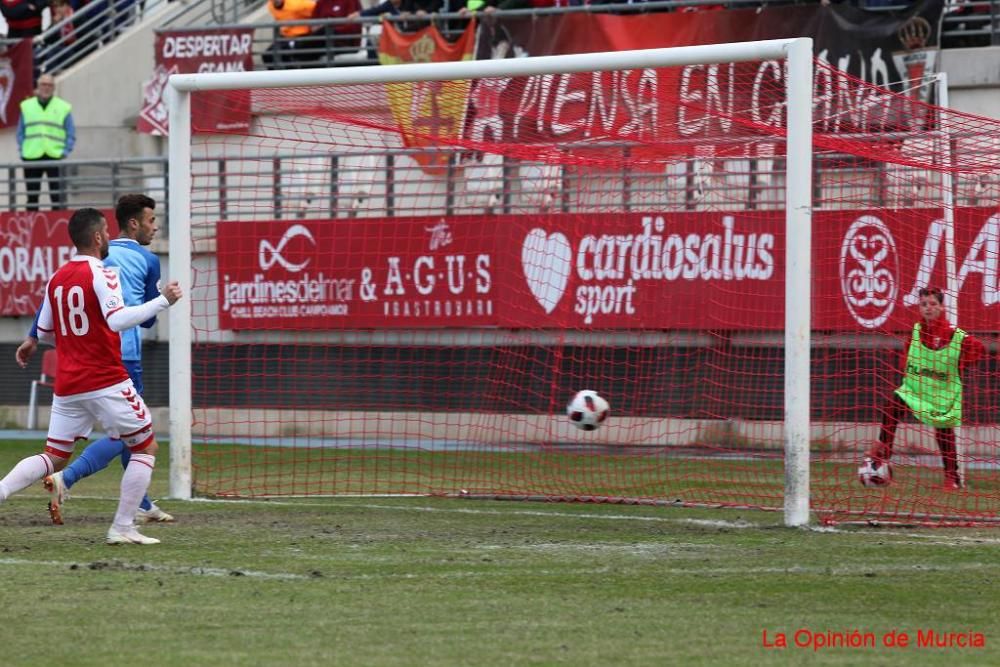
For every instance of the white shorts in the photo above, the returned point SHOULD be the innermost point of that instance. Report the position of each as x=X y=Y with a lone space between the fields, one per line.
x=119 y=409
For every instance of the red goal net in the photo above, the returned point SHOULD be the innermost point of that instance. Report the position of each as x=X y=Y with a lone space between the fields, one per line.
x=398 y=288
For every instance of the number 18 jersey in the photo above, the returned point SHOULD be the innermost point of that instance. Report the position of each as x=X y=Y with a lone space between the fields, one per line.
x=78 y=300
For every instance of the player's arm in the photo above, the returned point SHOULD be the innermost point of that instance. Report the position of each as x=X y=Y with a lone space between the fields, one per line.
x=121 y=317
x=45 y=324
x=973 y=351
x=27 y=348
x=152 y=287
x=903 y=354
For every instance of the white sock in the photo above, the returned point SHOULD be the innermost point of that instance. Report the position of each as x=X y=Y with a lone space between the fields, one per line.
x=25 y=473
x=135 y=481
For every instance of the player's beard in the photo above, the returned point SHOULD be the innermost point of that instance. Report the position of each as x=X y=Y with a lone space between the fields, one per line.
x=105 y=249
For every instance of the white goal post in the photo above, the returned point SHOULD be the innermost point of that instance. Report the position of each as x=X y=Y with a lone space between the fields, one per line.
x=795 y=53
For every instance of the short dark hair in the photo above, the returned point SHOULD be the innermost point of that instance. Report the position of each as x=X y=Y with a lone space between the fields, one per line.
x=934 y=292
x=82 y=225
x=130 y=206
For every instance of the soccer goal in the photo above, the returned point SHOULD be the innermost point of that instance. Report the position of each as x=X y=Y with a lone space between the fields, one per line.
x=399 y=276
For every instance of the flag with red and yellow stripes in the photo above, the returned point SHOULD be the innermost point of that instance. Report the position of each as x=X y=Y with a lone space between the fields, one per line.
x=428 y=113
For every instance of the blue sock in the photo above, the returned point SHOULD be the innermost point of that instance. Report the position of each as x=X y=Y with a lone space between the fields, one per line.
x=96 y=456
x=146 y=503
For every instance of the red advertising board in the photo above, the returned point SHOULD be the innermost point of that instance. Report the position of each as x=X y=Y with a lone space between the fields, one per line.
x=599 y=271
x=185 y=52
x=32 y=246
x=368 y=273
x=16 y=61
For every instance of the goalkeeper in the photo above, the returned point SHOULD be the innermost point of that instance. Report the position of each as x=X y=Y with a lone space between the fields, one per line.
x=933 y=360
x=139 y=272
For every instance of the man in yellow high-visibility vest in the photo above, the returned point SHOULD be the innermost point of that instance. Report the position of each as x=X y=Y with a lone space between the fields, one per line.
x=45 y=135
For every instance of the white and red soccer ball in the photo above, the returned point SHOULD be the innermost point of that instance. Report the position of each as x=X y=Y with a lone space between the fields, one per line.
x=587 y=410
x=874 y=474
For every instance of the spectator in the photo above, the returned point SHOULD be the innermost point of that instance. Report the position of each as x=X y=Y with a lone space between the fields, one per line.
x=404 y=9
x=390 y=7
x=422 y=7
x=60 y=43
x=61 y=11
x=282 y=50
x=45 y=135
x=24 y=17
x=504 y=5
x=125 y=14
x=87 y=22
x=107 y=18
x=342 y=37
x=689 y=8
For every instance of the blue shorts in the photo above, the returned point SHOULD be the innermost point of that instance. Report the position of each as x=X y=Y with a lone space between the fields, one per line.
x=134 y=369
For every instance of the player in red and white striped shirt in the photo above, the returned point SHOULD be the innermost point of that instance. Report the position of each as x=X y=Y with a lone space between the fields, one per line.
x=83 y=312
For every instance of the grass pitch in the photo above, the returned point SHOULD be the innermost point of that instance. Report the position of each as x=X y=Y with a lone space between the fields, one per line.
x=427 y=581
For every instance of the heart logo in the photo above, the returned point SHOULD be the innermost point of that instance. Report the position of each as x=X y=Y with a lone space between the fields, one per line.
x=546 y=260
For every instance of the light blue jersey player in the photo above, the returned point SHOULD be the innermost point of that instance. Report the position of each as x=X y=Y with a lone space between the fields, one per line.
x=139 y=272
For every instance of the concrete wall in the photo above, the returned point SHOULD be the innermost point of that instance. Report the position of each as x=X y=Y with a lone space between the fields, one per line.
x=974 y=79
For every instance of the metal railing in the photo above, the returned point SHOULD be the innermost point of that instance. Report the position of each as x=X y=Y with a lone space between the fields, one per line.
x=390 y=183
x=217 y=12
x=96 y=183
x=97 y=24
x=971 y=23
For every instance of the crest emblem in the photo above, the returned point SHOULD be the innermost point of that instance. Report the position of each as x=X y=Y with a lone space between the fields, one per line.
x=869 y=264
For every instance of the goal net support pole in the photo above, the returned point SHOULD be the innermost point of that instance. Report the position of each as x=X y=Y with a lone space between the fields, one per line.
x=179 y=317
x=798 y=280
x=795 y=53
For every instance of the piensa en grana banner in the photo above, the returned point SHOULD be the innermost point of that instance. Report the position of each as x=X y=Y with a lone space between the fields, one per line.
x=896 y=50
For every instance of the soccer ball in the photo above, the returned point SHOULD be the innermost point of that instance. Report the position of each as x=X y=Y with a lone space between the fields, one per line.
x=873 y=475
x=587 y=410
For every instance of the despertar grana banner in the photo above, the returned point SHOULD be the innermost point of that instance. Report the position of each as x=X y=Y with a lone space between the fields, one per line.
x=16 y=62
x=32 y=246
x=183 y=52
x=599 y=271
x=427 y=111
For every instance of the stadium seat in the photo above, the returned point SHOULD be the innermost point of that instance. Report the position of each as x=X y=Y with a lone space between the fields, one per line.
x=46 y=379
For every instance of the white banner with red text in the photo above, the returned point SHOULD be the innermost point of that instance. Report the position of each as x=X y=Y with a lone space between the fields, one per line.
x=33 y=244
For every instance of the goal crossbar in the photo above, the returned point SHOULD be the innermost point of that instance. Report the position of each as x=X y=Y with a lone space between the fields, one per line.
x=796 y=53
x=773 y=49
